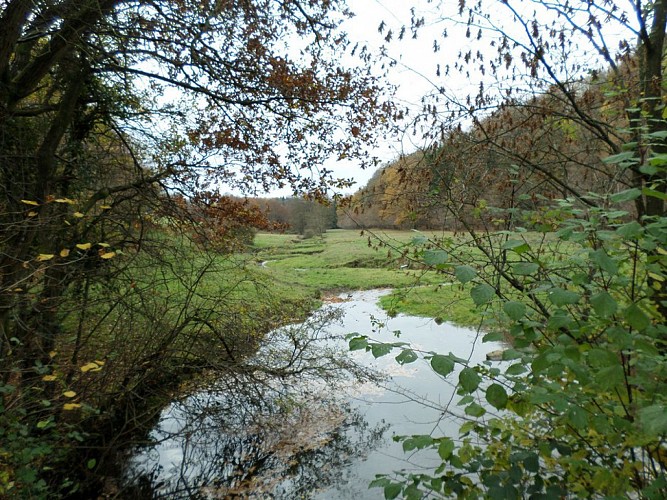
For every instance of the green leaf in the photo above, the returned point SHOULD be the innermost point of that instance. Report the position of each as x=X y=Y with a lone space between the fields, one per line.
x=636 y=318
x=620 y=157
x=496 y=396
x=525 y=268
x=654 y=193
x=417 y=442
x=464 y=273
x=446 y=448
x=604 y=304
x=516 y=369
x=392 y=491
x=658 y=134
x=379 y=350
x=532 y=462
x=494 y=337
x=610 y=377
x=358 y=343
x=627 y=195
x=475 y=410
x=406 y=356
x=91 y=463
x=412 y=493
x=442 y=365
x=577 y=416
x=435 y=257
x=379 y=482
x=515 y=310
x=518 y=246
x=653 y=419
x=560 y=297
x=629 y=230
x=481 y=294
x=603 y=260
x=469 y=379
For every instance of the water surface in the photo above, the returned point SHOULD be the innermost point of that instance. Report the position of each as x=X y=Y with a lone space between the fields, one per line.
x=324 y=432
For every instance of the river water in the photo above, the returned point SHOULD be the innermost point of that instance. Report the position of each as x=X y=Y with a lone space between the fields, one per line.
x=322 y=433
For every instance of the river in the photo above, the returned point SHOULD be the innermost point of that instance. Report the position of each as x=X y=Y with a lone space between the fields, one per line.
x=323 y=433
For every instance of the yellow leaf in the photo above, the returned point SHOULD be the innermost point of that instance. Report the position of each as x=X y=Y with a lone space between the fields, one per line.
x=64 y=252
x=101 y=363
x=30 y=202
x=71 y=406
x=32 y=214
x=52 y=354
x=83 y=246
x=77 y=214
x=93 y=366
x=49 y=378
x=105 y=207
x=64 y=200
x=104 y=245
x=69 y=394
x=44 y=256
x=108 y=255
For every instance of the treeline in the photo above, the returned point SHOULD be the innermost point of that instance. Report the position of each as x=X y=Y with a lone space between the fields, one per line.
x=523 y=156
x=301 y=216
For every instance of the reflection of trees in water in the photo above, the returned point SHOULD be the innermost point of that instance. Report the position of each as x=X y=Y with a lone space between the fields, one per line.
x=277 y=426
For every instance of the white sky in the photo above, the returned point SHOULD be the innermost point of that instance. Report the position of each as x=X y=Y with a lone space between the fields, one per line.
x=415 y=72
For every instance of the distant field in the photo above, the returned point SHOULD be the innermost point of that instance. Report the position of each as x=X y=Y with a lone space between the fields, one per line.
x=348 y=260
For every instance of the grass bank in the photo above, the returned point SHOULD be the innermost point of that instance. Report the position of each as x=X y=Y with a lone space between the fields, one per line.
x=349 y=260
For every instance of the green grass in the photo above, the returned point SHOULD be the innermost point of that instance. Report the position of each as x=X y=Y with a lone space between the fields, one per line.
x=347 y=260
x=446 y=302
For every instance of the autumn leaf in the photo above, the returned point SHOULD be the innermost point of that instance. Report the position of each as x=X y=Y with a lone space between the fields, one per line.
x=93 y=366
x=30 y=202
x=108 y=255
x=64 y=200
x=64 y=252
x=77 y=214
x=71 y=406
x=32 y=214
x=44 y=256
x=83 y=246
x=69 y=394
x=49 y=378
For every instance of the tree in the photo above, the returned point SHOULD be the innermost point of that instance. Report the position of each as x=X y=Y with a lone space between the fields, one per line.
x=580 y=407
x=119 y=121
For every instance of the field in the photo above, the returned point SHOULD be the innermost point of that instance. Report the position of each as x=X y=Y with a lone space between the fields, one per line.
x=348 y=260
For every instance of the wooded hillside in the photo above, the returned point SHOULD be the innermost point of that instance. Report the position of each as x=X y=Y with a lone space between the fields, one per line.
x=522 y=156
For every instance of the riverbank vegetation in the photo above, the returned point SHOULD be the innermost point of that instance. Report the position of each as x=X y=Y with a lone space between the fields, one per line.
x=575 y=151
x=119 y=270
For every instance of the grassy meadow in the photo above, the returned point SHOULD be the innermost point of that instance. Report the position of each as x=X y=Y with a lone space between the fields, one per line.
x=349 y=260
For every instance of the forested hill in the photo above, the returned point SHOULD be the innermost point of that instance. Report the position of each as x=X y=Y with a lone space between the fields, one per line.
x=521 y=157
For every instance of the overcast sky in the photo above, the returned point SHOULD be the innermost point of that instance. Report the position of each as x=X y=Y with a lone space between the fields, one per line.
x=415 y=72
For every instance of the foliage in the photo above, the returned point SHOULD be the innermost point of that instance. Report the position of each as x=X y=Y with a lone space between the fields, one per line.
x=579 y=405
x=119 y=123
x=575 y=151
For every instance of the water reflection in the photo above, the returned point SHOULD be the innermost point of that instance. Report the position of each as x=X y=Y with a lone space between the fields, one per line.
x=307 y=419
x=278 y=426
